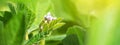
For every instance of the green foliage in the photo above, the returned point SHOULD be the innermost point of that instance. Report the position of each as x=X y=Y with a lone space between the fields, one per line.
x=97 y=22
x=47 y=28
x=71 y=40
x=55 y=37
x=75 y=36
x=35 y=39
x=15 y=22
x=13 y=28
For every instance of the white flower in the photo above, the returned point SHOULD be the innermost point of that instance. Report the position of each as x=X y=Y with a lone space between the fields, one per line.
x=48 y=17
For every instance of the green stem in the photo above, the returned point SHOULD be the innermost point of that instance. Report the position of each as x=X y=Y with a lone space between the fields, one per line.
x=42 y=41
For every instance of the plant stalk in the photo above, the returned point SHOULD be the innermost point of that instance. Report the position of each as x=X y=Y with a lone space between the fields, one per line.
x=42 y=41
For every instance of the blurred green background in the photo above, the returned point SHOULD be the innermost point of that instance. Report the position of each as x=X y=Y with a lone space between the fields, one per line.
x=88 y=22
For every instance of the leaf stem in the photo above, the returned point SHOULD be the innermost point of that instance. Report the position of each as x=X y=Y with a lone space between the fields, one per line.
x=26 y=36
x=42 y=41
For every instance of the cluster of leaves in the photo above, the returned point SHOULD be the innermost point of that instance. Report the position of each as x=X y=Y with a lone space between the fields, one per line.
x=19 y=19
x=15 y=20
x=12 y=26
x=45 y=29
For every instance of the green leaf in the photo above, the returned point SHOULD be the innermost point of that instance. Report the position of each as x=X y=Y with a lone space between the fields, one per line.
x=1 y=25
x=45 y=27
x=53 y=22
x=71 y=40
x=14 y=30
x=12 y=8
x=58 y=25
x=55 y=37
x=7 y=17
x=35 y=39
x=40 y=8
x=73 y=34
x=1 y=14
x=1 y=32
